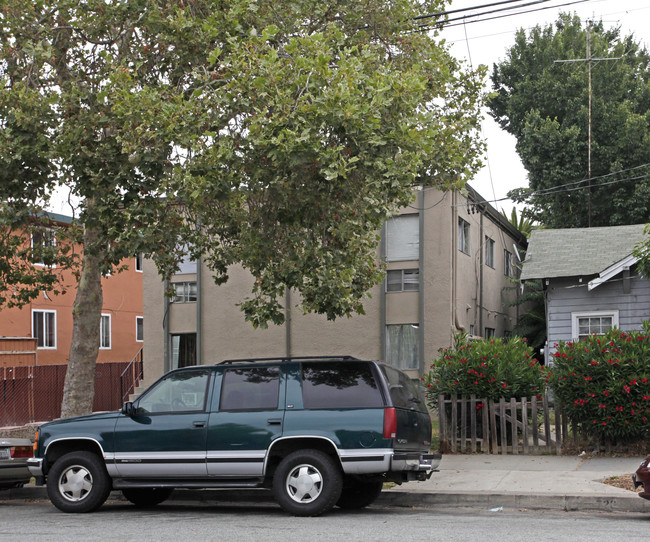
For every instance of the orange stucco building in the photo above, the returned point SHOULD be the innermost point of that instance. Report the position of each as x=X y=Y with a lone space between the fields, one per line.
x=48 y=319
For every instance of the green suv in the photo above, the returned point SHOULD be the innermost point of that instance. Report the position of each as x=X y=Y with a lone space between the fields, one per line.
x=319 y=432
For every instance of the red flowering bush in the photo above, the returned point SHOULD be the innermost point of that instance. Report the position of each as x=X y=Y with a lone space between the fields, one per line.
x=489 y=369
x=603 y=383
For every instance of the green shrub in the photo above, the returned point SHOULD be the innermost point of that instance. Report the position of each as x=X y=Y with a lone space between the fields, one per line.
x=489 y=369
x=602 y=383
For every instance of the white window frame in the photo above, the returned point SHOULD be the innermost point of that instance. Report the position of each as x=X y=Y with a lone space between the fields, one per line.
x=489 y=251
x=464 y=234
x=101 y=332
x=54 y=334
x=186 y=295
x=139 y=319
x=51 y=235
x=575 y=317
x=403 y=238
x=414 y=280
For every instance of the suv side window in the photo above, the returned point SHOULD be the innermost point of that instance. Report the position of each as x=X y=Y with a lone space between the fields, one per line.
x=347 y=384
x=179 y=392
x=255 y=388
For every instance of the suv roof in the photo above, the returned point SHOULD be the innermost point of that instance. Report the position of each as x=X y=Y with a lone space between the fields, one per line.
x=287 y=359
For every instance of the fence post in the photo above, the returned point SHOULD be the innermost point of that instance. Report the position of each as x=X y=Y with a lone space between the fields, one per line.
x=547 y=424
x=442 y=422
x=463 y=424
x=513 y=422
x=472 y=409
x=503 y=437
x=558 y=427
x=485 y=434
x=524 y=421
x=493 y=427
x=533 y=415
x=454 y=422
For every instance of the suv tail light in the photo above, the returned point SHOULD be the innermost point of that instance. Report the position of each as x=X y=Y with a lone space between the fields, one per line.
x=390 y=423
x=21 y=451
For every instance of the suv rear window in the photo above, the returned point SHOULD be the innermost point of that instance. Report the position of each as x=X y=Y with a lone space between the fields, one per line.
x=345 y=384
x=404 y=392
x=255 y=388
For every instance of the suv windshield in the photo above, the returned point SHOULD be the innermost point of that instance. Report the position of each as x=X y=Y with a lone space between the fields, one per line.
x=404 y=392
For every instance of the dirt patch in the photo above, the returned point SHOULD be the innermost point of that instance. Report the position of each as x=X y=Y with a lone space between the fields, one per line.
x=624 y=482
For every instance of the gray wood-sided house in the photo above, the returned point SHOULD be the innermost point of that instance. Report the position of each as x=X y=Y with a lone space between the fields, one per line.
x=590 y=280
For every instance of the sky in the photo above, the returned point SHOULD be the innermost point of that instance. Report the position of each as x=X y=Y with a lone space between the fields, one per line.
x=486 y=42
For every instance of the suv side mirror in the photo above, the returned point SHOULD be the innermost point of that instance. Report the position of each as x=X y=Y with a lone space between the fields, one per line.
x=128 y=409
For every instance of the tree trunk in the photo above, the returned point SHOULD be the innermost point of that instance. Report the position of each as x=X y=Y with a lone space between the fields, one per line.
x=79 y=388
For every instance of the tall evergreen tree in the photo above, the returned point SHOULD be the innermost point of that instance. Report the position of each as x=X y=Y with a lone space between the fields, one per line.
x=545 y=105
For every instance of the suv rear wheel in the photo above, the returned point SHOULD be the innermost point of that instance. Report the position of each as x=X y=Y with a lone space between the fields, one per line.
x=78 y=482
x=307 y=483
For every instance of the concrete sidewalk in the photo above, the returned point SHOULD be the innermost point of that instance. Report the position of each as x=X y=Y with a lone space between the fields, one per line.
x=488 y=482
x=532 y=482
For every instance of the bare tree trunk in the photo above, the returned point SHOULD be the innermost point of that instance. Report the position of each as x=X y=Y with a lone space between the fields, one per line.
x=79 y=388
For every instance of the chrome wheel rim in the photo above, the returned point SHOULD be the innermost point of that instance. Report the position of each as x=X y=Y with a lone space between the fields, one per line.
x=75 y=483
x=304 y=484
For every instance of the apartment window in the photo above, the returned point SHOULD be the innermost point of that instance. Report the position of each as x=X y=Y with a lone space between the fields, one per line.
x=138 y=263
x=508 y=269
x=586 y=324
x=139 y=329
x=463 y=235
x=403 y=346
x=184 y=292
x=489 y=332
x=403 y=238
x=183 y=350
x=471 y=330
x=187 y=265
x=105 y=332
x=403 y=280
x=42 y=243
x=489 y=252
x=44 y=328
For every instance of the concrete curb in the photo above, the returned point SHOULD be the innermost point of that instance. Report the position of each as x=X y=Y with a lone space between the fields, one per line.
x=490 y=501
x=402 y=499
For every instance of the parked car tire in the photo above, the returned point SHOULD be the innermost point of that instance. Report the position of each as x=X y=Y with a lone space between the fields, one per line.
x=307 y=483
x=359 y=493
x=144 y=497
x=78 y=482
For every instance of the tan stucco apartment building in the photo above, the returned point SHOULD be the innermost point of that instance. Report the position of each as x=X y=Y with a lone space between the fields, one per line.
x=450 y=259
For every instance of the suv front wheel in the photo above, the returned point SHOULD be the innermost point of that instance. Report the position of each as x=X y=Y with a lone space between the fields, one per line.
x=307 y=483
x=78 y=482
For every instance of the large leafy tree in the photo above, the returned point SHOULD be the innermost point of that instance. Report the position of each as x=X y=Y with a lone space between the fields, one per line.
x=544 y=104
x=274 y=134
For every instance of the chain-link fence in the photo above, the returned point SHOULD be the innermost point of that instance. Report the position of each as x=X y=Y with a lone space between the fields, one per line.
x=34 y=394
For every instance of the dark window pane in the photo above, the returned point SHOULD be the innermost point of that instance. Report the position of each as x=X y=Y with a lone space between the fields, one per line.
x=256 y=388
x=404 y=392
x=345 y=384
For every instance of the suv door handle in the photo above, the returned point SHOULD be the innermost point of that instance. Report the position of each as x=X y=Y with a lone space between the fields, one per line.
x=198 y=424
x=274 y=421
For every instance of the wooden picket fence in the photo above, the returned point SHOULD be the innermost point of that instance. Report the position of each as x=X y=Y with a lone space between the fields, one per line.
x=516 y=426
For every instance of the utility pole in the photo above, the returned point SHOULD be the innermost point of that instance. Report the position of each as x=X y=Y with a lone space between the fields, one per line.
x=588 y=60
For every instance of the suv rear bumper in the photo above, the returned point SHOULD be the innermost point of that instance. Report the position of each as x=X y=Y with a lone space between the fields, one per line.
x=405 y=461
